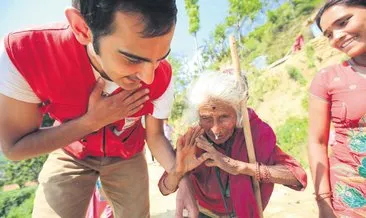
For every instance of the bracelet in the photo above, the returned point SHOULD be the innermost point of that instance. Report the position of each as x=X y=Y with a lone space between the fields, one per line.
x=257 y=175
x=322 y=196
x=266 y=176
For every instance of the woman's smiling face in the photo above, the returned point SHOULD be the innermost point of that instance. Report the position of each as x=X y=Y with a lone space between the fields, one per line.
x=345 y=27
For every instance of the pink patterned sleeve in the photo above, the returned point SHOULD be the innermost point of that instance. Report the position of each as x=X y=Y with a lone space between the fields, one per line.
x=319 y=87
x=280 y=157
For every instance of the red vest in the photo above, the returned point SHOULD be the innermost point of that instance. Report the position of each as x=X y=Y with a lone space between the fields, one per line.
x=57 y=68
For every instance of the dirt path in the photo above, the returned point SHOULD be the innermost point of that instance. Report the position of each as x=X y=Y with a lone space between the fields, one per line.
x=284 y=203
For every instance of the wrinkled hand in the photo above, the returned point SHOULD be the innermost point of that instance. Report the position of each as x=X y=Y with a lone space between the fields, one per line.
x=186 y=159
x=104 y=110
x=185 y=200
x=215 y=158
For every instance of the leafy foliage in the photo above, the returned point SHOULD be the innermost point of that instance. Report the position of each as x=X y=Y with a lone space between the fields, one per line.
x=273 y=39
x=11 y=200
x=294 y=74
x=259 y=85
x=193 y=13
x=240 y=10
x=310 y=55
x=192 y=9
x=23 y=171
x=24 y=210
x=292 y=137
x=20 y=172
x=179 y=83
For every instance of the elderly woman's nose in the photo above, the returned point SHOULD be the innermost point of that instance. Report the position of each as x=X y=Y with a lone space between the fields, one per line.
x=215 y=128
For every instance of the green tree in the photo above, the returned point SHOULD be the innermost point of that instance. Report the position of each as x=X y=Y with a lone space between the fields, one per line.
x=240 y=11
x=23 y=171
x=20 y=172
x=192 y=9
x=179 y=93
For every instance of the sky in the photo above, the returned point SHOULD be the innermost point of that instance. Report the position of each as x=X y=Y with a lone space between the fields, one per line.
x=18 y=14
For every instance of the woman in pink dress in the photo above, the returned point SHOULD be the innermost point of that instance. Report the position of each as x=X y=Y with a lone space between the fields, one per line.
x=338 y=96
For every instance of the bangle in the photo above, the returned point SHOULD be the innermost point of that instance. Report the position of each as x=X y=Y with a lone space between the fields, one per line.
x=322 y=196
x=257 y=175
x=266 y=175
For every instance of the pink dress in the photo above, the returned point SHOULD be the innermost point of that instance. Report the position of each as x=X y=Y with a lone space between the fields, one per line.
x=345 y=90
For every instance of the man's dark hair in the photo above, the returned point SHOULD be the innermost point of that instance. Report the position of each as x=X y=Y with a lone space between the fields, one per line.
x=330 y=3
x=158 y=16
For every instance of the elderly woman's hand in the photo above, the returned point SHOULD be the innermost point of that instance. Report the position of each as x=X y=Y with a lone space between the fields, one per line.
x=186 y=159
x=215 y=158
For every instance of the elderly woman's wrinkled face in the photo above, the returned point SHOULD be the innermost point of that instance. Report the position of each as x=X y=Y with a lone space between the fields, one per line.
x=218 y=119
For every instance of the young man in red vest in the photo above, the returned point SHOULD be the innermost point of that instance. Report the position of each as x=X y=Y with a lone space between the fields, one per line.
x=96 y=76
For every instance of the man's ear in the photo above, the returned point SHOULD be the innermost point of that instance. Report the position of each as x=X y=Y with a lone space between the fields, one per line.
x=81 y=30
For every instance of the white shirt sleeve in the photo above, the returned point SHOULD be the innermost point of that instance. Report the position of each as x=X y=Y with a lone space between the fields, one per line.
x=163 y=105
x=12 y=83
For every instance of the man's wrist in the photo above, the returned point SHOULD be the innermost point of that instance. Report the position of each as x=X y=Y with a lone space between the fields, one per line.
x=177 y=176
x=88 y=124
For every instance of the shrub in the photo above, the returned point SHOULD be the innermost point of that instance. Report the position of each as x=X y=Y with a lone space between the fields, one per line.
x=292 y=138
x=24 y=210
x=13 y=199
x=305 y=103
x=310 y=55
x=259 y=85
x=294 y=73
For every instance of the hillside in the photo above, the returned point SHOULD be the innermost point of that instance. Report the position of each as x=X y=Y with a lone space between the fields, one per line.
x=287 y=97
x=280 y=94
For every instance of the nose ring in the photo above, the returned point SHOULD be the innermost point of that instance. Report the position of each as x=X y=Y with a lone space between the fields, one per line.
x=216 y=136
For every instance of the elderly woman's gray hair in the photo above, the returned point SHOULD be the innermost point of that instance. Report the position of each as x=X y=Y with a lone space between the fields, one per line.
x=215 y=85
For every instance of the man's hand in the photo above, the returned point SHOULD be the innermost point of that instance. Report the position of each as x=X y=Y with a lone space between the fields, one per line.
x=215 y=158
x=186 y=159
x=185 y=200
x=104 y=110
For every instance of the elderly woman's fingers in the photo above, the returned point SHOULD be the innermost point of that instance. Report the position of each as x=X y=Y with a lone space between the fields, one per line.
x=203 y=139
x=210 y=163
x=197 y=132
x=204 y=157
x=205 y=145
x=202 y=146
x=188 y=135
x=193 y=135
x=180 y=143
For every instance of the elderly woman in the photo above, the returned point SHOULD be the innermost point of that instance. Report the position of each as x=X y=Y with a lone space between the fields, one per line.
x=222 y=184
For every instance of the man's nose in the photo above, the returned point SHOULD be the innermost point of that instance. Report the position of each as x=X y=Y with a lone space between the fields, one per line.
x=147 y=72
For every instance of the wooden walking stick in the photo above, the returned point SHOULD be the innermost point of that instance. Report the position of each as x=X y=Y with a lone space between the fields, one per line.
x=246 y=125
